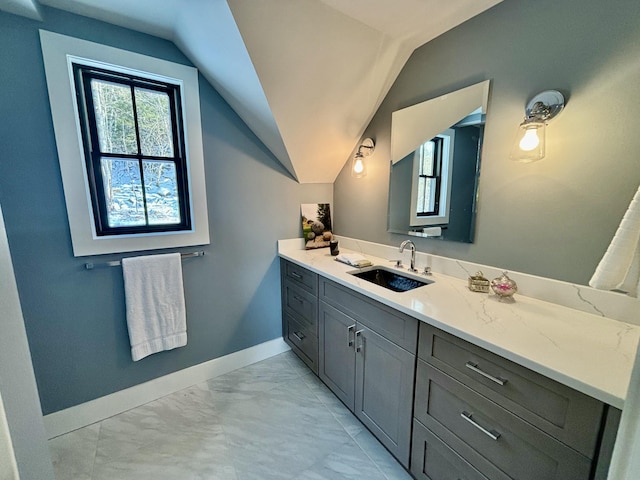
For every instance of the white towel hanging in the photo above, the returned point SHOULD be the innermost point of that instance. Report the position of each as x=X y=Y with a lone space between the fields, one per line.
x=156 y=313
x=619 y=268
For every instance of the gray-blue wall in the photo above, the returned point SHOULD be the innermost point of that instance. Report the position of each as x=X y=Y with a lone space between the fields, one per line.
x=553 y=218
x=75 y=319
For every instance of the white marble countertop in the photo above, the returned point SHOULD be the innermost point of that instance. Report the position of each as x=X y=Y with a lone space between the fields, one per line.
x=587 y=352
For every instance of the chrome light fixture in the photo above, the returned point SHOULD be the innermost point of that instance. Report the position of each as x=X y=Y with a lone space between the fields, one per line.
x=529 y=145
x=359 y=165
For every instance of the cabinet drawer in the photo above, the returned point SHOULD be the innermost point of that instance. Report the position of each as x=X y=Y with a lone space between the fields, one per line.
x=432 y=459
x=304 y=341
x=391 y=324
x=479 y=429
x=299 y=275
x=301 y=303
x=564 y=413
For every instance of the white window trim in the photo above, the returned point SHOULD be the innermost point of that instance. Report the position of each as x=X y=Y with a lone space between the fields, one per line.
x=445 y=184
x=58 y=53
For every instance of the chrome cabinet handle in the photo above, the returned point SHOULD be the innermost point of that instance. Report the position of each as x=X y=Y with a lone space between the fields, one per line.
x=298 y=298
x=350 y=330
x=299 y=335
x=489 y=433
x=296 y=275
x=474 y=367
x=358 y=346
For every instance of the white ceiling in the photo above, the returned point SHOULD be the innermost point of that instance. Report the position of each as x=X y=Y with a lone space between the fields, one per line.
x=305 y=75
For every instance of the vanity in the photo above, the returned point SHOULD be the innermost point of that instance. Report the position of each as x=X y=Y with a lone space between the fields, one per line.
x=455 y=384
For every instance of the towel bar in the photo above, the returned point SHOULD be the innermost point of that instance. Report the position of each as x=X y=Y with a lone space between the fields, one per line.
x=115 y=263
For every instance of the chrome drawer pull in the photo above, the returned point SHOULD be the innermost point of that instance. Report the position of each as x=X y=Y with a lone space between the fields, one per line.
x=358 y=346
x=299 y=336
x=350 y=330
x=296 y=275
x=298 y=298
x=489 y=433
x=474 y=367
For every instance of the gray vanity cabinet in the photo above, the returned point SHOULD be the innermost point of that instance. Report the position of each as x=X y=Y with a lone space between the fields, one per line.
x=445 y=408
x=372 y=375
x=503 y=420
x=300 y=312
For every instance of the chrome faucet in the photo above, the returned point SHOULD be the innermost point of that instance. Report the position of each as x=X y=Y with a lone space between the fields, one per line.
x=413 y=253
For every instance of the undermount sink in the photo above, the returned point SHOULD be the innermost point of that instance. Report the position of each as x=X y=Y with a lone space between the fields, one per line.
x=389 y=278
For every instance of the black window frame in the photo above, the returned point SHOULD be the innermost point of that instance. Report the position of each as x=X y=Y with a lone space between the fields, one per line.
x=83 y=74
x=437 y=175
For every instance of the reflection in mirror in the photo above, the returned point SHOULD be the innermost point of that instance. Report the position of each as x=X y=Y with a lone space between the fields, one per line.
x=435 y=165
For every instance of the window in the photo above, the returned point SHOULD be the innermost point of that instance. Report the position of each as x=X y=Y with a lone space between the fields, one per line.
x=429 y=177
x=137 y=183
x=132 y=135
x=431 y=185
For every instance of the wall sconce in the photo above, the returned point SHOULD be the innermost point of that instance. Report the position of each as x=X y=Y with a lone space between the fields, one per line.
x=529 y=144
x=359 y=165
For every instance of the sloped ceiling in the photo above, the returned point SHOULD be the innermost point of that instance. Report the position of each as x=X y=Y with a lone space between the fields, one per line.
x=26 y=8
x=305 y=75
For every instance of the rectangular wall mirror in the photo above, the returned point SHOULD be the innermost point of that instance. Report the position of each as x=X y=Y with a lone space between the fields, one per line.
x=435 y=165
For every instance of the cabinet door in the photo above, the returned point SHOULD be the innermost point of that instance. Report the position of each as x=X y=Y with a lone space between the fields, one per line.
x=384 y=390
x=336 y=356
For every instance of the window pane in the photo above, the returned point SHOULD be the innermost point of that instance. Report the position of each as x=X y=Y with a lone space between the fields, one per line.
x=420 y=203
x=114 y=117
x=123 y=192
x=426 y=195
x=154 y=122
x=161 y=189
x=431 y=195
x=426 y=161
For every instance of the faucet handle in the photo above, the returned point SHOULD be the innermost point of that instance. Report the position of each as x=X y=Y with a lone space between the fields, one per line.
x=398 y=262
x=427 y=271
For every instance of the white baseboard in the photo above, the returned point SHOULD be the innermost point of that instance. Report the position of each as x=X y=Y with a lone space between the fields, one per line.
x=79 y=416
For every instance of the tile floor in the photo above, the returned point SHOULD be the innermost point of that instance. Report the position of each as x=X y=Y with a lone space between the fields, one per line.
x=270 y=420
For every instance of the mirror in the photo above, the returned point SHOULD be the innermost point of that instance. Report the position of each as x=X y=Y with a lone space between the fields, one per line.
x=435 y=165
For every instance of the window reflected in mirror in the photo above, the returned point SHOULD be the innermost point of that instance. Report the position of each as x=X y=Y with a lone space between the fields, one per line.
x=433 y=185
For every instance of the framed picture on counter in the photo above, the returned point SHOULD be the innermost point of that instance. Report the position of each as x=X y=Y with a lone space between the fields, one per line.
x=316 y=224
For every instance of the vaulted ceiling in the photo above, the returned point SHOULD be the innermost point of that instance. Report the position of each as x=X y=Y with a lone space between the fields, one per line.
x=306 y=76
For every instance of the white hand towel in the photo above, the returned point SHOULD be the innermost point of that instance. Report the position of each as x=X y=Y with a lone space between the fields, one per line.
x=432 y=231
x=353 y=259
x=619 y=268
x=156 y=313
